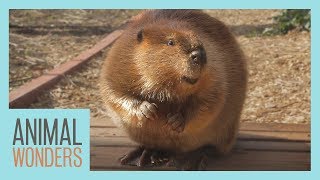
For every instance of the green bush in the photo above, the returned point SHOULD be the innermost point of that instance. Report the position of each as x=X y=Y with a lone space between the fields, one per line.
x=291 y=19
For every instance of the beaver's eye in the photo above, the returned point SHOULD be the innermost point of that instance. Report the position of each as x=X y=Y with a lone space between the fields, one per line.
x=170 y=43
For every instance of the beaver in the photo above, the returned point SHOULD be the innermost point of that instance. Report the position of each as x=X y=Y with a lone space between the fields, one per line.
x=175 y=81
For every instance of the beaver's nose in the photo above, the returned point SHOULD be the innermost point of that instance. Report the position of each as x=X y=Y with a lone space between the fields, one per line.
x=197 y=57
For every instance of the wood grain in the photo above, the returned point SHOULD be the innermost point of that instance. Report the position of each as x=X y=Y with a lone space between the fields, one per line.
x=259 y=147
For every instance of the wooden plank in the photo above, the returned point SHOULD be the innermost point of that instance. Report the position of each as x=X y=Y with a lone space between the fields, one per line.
x=241 y=144
x=275 y=127
x=245 y=135
x=243 y=126
x=259 y=147
x=274 y=136
x=27 y=93
x=261 y=160
x=112 y=141
x=106 y=158
x=273 y=146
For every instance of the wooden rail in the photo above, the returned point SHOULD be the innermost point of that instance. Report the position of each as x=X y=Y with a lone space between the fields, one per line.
x=27 y=93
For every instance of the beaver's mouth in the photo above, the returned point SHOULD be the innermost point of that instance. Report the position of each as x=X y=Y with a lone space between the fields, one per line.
x=189 y=79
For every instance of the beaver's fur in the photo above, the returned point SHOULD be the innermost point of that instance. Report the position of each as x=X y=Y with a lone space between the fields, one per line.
x=143 y=67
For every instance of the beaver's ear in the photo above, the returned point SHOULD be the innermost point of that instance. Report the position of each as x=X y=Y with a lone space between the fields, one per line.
x=140 y=35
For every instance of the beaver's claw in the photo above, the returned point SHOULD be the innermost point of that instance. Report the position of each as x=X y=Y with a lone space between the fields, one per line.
x=147 y=111
x=176 y=122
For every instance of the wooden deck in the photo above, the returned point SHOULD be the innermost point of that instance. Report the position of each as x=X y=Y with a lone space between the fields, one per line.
x=259 y=147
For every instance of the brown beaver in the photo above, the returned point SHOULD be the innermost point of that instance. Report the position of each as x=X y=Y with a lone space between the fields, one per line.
x=175 y=81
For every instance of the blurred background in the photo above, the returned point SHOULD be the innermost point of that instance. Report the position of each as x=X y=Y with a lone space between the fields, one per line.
x=276 y=42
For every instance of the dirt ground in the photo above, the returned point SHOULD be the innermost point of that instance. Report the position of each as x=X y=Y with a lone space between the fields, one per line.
x=43 y=39
x=279 y=65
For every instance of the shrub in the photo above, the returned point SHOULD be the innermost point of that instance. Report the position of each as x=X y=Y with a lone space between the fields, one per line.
x=291 y=19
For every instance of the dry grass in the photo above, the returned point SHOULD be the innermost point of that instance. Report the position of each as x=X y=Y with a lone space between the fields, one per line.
x=43 y=39
x=279 y=78
x=279 y=66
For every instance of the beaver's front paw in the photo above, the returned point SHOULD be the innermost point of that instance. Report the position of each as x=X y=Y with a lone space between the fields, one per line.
x=176 y=122
x=147 y=110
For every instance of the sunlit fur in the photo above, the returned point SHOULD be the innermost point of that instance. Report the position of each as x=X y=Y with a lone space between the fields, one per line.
x=141 y=66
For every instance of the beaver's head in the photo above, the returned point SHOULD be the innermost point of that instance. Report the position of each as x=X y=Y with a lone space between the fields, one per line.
x=170 y=61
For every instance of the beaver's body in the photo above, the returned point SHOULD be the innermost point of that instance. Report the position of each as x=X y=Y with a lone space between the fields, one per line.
x=178 y=65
